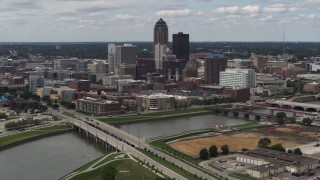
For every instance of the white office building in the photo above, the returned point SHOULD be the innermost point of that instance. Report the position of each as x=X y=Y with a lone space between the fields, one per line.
x=244 y=78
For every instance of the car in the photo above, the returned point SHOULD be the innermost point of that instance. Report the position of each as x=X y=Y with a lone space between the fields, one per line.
x=295 y=174
x=217 y=162
x=223 y=167
x=242 y=165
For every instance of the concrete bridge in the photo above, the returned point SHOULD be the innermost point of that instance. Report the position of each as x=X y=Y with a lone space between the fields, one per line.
x=123 y=141
x=294 y=105
x=255 y=116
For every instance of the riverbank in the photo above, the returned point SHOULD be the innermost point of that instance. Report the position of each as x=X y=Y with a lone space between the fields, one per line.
x=25 y=137
x=155 y=116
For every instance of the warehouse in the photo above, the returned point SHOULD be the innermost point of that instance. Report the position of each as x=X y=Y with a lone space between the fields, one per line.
x=269 y=162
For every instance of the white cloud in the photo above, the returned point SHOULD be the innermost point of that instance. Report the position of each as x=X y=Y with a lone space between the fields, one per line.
x=227 y=10
x=251 y=9
x=123 y=17
x=173 y=13
x=275 y=8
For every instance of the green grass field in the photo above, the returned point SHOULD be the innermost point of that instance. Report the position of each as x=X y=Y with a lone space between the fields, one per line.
x=249 y=125
x=26 y=135
x=150 y=116
x=129 y=168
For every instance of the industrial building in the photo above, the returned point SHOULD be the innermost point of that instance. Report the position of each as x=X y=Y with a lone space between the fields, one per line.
x=269 y=162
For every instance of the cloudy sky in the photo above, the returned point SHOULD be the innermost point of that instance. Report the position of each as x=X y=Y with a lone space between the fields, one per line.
x=133 y=20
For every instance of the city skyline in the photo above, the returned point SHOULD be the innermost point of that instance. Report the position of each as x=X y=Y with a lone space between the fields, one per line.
x=204 y=20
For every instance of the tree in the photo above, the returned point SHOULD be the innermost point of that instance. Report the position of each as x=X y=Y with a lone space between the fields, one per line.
x=307 y=121
x=290 y=151
x=225 y=149
x=278 y=147
x=244 y=149
x=213 y=151
x=204 y=154
x=109 y=173
x=264 y=143
x=281 y=118
x=55 y=106
x=3 y=116
x=297 y=151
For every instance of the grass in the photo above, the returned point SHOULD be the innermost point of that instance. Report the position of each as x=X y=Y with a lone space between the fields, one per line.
x=170 y=166
x=242 y=176
x=86 y=166
x=215 y=167
x=30 y=134
x=247 y=126
x=107 y=159
x=134 y=171
x=150 y=116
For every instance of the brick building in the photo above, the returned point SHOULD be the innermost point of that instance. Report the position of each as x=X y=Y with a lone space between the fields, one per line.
x=214 y=64
x=79 y=85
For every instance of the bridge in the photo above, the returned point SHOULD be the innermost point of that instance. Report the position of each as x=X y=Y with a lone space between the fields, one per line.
x=123 y=141
x=294 y=105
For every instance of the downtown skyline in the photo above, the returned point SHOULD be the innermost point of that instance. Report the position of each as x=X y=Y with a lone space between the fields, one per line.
x=124 y=20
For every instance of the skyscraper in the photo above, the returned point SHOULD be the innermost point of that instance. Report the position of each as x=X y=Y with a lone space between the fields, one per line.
x=111 y=58
x=213 y=65
x=160 y=42
x=180 y=45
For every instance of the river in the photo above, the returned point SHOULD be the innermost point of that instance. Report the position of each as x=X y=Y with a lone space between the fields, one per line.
x=49 y=158
x=177 y=125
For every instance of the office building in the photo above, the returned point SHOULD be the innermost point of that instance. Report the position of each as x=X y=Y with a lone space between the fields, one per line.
x=111 y=58
x=98 y=67
x=244 y=78
x=213 y=65
x=79 y=85
x=73 y=64
x=180 y=46
x=260 y=62
x=160 y=42
x=36 y=80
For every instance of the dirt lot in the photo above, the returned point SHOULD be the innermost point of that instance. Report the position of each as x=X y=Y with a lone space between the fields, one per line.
x=289 y=136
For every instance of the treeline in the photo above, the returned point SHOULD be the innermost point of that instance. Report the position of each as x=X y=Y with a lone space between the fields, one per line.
x=21 y=124
x=68 y=104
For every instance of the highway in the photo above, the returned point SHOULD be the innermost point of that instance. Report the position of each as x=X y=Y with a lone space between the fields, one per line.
x=138 y=143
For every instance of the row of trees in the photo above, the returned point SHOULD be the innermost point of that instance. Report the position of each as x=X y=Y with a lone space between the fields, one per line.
x=213 y=151
x=21 y=124
x=281 y=118
x=68 y=104
x=3 y=116
x=266 y=143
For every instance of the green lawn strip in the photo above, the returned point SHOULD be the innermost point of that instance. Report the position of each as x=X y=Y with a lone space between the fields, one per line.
x=107 y=159
x=215 y=167
x=26 y=135
x=170 y=166
x=86 y=166
x=242 y=176
x=182 y=135
x=150 y=115
x=129 y=168
x=247 y=126
x=53 y=128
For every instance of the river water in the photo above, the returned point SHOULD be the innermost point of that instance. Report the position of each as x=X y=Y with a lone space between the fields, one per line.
x=175 y=126
x=49 y=158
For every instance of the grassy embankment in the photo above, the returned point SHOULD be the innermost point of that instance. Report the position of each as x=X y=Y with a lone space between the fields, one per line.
x=127 y=169
x=6 y=140
x=152 y=115
x=242 y=176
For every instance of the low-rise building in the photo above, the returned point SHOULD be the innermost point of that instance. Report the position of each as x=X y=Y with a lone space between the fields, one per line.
x=161 y=101
x=97 y=106
x=312 y=87
x=23 y=104
x=79 y=85
x=269 y=162
x=245 y=78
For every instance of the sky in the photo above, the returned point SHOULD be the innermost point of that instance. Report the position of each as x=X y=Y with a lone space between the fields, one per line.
x=133 y=20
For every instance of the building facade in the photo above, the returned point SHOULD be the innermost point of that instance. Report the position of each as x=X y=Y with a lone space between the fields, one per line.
x=244 y=78
x=213 y=65
x=79 y=85
x=111 y=58
x=98 y=107
x=180 y=46
x=160 y=42
x=36 y=80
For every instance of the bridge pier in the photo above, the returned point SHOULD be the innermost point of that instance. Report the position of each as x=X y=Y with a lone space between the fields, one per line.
x=230 y=114
x=241 y=115
x=252 y=117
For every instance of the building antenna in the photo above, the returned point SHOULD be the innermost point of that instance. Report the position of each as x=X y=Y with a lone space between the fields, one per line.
x=284 y=41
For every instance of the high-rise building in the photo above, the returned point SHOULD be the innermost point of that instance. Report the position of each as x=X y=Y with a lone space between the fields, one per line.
x=98 y=67
x=121 y=54
x=213 y=65
x=244 y=78
x=111 y=58
x=160 y=42
x=79 y=86
x=36 y=80
x=180 y=45
x=74 y=64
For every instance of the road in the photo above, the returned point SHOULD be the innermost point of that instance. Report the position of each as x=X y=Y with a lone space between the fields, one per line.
x=138 y=143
